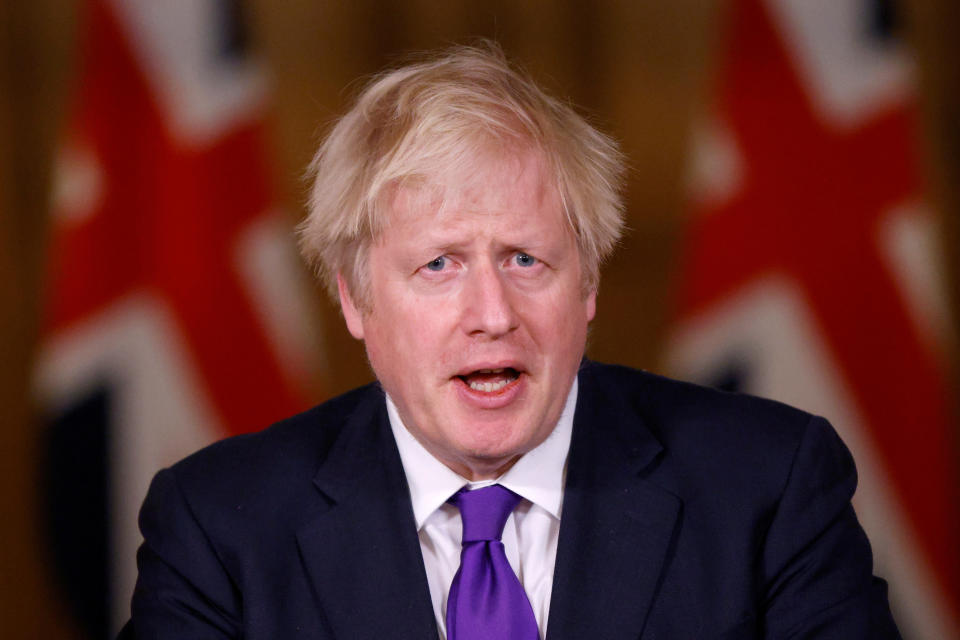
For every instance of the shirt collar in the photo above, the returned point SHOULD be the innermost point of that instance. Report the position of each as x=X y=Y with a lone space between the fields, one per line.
x=537 y=476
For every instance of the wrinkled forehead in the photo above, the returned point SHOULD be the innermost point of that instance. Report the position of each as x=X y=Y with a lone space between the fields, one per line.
x=482 y=182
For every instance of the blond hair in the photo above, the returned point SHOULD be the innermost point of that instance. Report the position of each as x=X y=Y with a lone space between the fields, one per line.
x=410 y=122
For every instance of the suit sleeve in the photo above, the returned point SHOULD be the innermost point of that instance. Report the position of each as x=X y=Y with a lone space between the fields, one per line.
x=183 y=591
x=817 y=566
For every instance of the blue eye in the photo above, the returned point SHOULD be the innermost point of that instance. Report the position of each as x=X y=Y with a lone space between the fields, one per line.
x=525 y=260
x=437 y=264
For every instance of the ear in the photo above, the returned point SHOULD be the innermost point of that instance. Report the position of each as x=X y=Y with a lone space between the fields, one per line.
x=351 y=313
x=591 y=303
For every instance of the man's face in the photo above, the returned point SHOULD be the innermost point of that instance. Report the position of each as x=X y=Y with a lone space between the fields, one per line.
x=477 y=319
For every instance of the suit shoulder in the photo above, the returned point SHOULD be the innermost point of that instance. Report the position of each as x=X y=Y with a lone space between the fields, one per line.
x=723 y=452
x=679 y=397
x=282 y=455
x=687 y=417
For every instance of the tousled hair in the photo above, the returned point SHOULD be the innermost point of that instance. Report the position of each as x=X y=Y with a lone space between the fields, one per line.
x=412 y=123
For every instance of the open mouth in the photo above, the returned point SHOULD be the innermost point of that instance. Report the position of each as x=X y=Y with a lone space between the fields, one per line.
x=490 y=380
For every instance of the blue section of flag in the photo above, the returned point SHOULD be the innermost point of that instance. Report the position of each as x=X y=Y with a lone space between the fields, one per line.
x=732 y=374
x=233 y=37
x=75 y=507
x=884 y=21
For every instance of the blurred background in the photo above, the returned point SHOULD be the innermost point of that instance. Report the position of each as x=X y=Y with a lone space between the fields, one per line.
x=794 y=231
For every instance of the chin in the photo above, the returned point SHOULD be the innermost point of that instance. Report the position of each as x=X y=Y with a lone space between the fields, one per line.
x=495 y=449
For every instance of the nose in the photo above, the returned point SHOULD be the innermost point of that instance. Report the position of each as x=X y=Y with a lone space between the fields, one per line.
x=488 y=308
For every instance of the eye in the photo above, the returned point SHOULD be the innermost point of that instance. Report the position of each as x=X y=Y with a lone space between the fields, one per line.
x=437 y=264
x=525 y=260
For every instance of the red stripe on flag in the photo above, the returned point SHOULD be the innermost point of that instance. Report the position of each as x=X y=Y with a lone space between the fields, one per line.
x=168 y=223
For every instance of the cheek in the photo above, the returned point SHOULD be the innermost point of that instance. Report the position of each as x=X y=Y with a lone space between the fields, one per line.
x=413 y=335
x=562 y=314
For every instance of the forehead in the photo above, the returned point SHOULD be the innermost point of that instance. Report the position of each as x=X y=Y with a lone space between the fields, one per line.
x=517 y=184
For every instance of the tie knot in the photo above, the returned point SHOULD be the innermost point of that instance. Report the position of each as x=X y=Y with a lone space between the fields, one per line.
x=484 y=511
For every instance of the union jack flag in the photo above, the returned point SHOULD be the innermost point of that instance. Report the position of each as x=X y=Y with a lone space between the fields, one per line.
x=809 y=272
x=174 y=310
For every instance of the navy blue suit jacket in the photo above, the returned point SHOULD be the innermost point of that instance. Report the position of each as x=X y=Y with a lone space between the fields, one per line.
x=688 y=513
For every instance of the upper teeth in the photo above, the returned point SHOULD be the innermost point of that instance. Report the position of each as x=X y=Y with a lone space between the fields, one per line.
x=489 y=386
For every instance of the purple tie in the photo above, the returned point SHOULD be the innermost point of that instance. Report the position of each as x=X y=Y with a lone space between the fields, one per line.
x=487 y=601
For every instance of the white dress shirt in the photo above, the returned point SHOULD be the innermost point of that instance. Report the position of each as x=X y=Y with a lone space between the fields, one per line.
x=530 y=534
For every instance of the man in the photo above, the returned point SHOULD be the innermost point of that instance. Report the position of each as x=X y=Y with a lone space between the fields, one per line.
x=493 y=484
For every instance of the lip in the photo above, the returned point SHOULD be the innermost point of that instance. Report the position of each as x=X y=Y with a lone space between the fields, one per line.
x=494 y=399
x=491 y=365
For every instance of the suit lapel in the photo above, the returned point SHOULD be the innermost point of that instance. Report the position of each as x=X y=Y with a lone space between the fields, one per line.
x=616 y=527
x=361 y=549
